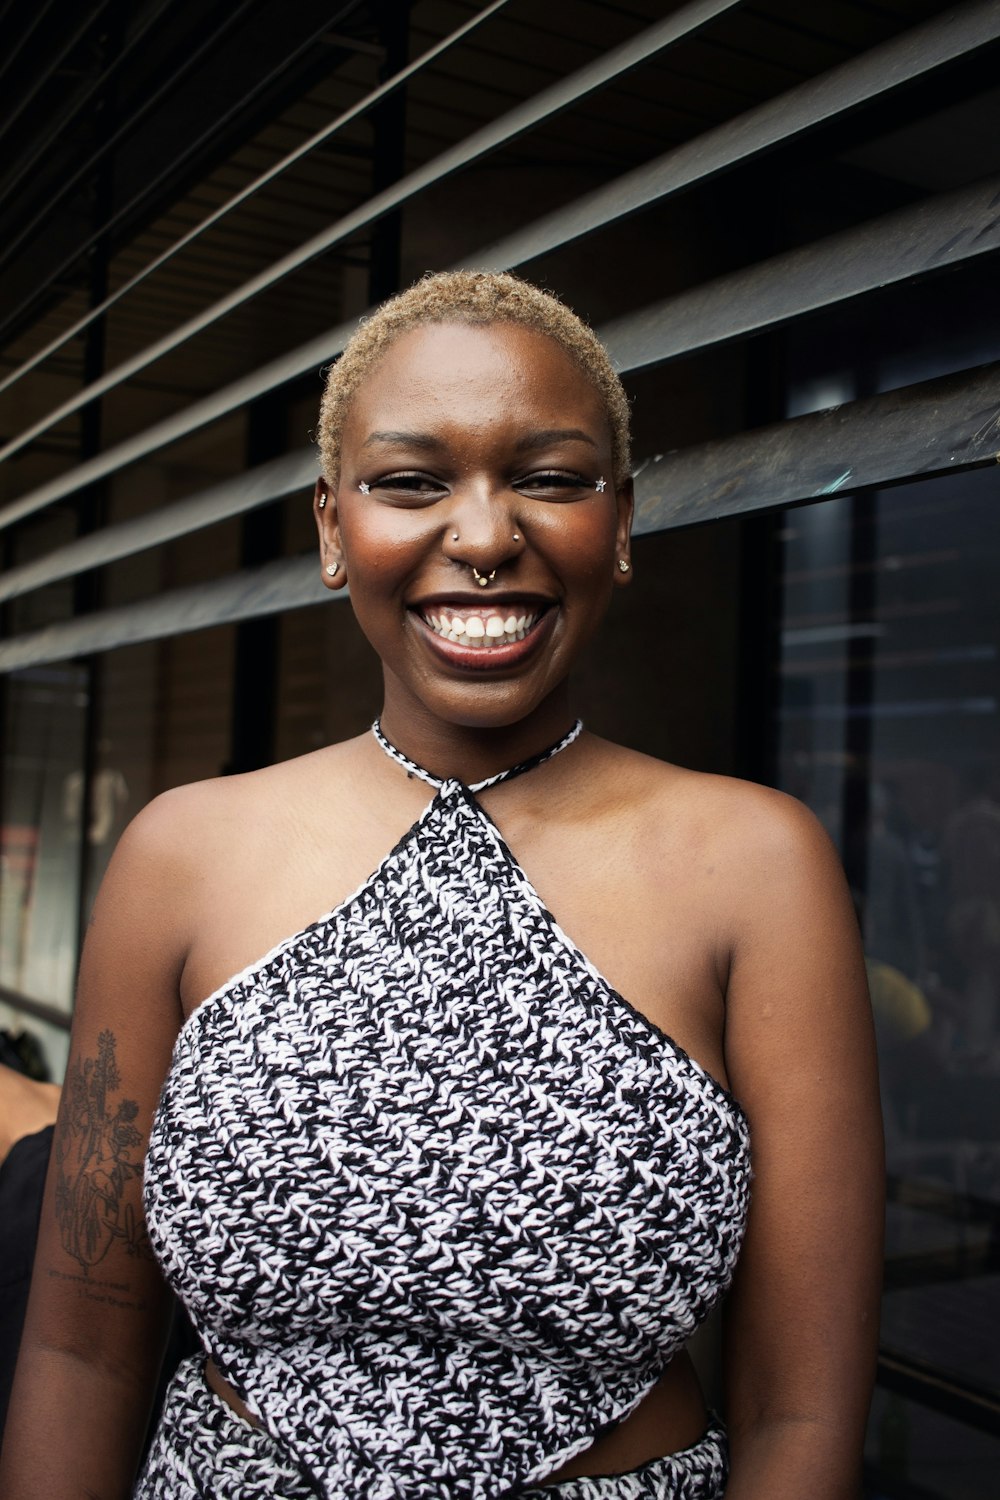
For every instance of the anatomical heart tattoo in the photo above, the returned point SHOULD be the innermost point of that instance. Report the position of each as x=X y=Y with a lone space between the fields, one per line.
x=99 y=1153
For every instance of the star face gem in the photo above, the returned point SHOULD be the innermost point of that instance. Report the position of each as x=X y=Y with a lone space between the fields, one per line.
x=365 y=487
x=601 y=485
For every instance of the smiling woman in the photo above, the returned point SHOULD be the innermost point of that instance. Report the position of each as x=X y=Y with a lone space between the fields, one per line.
x=473 y=459
x=449 y=1176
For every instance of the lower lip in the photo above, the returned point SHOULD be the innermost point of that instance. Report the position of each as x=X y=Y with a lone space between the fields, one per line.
x=487 y=658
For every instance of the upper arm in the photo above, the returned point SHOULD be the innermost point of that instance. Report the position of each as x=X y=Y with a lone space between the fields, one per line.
x=98 y=1309
x=93 y=1265
x=803 y=1312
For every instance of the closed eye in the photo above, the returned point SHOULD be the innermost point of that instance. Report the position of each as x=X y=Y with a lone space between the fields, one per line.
x=408 y=487
x=554 y=484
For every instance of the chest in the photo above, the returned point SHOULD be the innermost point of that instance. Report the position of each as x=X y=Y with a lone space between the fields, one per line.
x=638 y=905
x=440 y=1045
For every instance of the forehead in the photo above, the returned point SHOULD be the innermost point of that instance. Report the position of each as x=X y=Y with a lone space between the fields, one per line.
x=486 y=376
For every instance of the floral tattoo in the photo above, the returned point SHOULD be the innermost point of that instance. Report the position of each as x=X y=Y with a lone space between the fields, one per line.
x=96 y=1150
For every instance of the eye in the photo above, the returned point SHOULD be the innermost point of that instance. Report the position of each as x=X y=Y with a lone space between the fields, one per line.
x=408 y=487
x=554 y=484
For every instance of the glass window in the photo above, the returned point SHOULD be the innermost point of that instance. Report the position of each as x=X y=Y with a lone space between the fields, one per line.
x=41 y=831
x=163 y=717
x=889 y=727
x=907 y=1443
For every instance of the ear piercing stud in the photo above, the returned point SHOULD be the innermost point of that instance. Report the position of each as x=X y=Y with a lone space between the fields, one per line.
x=322 y=502
x=333 y=569
x=624 y=566
x=480 y=579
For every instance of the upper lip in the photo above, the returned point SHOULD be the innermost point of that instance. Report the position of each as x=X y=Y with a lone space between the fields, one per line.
x=487 y=600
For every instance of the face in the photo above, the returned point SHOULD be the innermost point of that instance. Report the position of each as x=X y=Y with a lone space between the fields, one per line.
x=485 y=454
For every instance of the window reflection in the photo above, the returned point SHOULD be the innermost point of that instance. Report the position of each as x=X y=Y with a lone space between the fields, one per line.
x=41 y=828
x=889 y=729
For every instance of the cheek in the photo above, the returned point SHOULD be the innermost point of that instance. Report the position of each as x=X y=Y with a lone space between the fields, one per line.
x=585 y=549
x=379 y=545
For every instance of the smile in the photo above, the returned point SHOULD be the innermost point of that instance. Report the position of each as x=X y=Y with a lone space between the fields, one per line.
x=481 y=629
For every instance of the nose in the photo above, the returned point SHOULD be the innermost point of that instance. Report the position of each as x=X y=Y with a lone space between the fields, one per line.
x=483 y=530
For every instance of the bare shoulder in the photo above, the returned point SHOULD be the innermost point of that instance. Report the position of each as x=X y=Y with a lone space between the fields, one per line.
x=190 y=824
x=730 y=821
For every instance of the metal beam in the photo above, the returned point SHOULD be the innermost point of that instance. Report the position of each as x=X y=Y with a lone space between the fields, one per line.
x=842 y=90
x=918 y=1381
x=221 y=502
x=320 y=137
x=603 y=70
x=307 y=357
x=860 y=82
x=287 y=584
x=41 y=1010
x=54 y=62
x=937 y=427
x=938 y=232
x=25 y=164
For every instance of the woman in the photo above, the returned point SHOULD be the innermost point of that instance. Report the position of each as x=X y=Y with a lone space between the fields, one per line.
x=444 y=1205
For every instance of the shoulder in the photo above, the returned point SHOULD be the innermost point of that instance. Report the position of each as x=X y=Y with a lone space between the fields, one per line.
x=728 y=819
x=751 y=866
x=184 y=823
x=187 y=838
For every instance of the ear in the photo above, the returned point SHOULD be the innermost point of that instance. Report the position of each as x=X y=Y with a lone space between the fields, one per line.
x=328 y=528
x=625 y=500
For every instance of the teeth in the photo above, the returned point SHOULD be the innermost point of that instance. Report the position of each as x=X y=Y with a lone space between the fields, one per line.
x=481 y=632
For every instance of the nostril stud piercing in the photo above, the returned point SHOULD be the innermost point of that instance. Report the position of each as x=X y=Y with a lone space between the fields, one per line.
x=454 y=536
x=365 y=487
x=516 y=537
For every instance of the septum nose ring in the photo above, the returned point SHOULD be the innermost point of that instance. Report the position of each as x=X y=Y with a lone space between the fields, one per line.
x=482 y=579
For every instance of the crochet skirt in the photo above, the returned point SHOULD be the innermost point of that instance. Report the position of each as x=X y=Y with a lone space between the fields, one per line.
x=203 y=1451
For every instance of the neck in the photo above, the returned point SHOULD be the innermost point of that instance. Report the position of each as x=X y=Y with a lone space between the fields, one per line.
x=473 y=752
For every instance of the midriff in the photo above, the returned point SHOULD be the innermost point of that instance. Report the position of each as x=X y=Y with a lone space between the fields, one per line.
x=669 y=1417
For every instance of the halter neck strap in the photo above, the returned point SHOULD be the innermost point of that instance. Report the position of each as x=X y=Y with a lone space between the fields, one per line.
x=476 y=786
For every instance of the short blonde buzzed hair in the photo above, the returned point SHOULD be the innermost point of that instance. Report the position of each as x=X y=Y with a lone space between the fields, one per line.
x=478 y=297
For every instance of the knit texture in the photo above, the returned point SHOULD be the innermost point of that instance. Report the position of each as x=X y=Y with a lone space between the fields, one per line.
x=440 y=1202
x=202 y=1451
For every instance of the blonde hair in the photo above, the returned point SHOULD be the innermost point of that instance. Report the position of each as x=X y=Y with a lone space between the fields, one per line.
x=477 y=297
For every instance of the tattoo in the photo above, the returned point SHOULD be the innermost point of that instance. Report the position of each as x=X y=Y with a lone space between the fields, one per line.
x=95 y=1166
x=107 y=1292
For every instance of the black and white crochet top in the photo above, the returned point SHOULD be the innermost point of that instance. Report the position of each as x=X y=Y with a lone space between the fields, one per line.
x=441 y=1203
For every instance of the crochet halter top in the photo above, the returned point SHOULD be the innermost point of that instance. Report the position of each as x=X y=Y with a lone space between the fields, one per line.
x=441 y=1203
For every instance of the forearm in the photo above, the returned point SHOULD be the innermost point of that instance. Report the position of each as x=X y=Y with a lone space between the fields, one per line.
x=785 y=1459
x=75 y=1428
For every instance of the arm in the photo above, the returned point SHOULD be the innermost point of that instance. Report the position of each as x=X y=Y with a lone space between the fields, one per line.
x=802 y=1323
x=98 y=1310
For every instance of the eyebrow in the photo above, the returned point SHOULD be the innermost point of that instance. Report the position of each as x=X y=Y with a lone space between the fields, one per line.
x=403 y=439
x=528 y=444
x=553 y=435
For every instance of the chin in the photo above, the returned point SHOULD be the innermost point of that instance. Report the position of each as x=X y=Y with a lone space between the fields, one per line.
x=481 y=704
